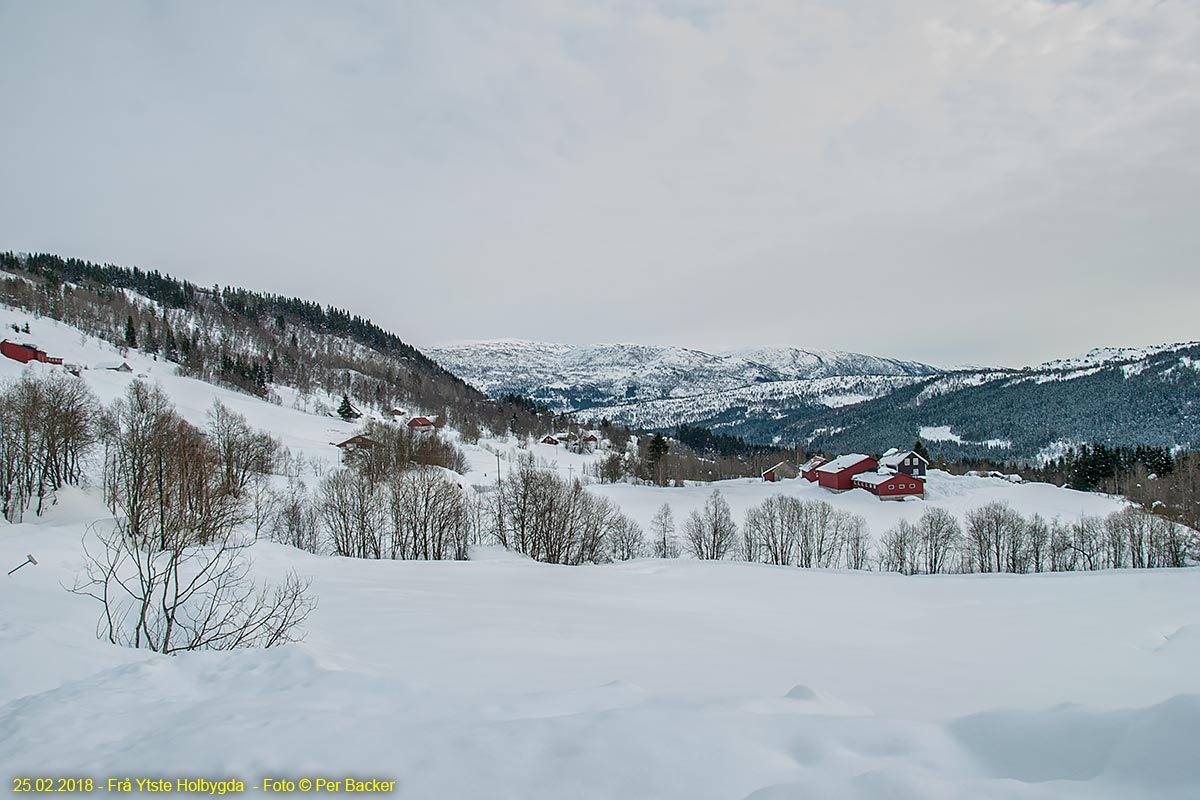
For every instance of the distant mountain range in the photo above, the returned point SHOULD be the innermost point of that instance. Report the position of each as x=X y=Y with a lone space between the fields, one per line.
x=837 y=401
x=571 y=378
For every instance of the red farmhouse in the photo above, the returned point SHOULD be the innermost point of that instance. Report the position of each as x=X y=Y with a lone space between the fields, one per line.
x=839 y=473
x=26 y=353
x=890 y=486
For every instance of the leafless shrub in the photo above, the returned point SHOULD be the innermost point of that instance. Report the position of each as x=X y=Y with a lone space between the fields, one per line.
x=187 y=597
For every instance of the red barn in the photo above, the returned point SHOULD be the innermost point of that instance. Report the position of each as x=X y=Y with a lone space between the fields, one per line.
x=549 y=440
x=890 y=486
x=420 y=424
x=26 y=353
x=808 y=470
x=838 y=474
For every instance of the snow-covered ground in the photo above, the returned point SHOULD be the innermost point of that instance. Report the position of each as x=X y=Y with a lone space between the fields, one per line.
x=503 y=678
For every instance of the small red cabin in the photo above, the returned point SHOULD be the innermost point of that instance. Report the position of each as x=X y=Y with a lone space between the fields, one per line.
x=26 y=353
x=839 y=473
x=549 y=440
x=890 y=486
x=359 y=442
x=420 y=424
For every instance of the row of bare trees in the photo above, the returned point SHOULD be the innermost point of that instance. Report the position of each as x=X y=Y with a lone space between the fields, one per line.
x=48 y=425
x=805 y=533
x=998 y=538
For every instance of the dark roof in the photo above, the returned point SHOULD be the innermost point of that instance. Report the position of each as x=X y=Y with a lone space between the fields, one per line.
x=358 y=441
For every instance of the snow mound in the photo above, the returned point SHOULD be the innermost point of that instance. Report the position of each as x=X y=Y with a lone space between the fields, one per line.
x=1150 y=747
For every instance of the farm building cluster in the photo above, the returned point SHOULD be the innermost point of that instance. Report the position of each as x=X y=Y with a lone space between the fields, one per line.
x=897 y=474
x=587 y=437
x=359 y=443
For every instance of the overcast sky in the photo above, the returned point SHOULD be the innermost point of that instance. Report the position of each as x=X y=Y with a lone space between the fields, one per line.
x=954 y=181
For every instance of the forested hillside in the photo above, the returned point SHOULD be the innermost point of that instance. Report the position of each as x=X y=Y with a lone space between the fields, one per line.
x=249 y=340
x=1148 y=399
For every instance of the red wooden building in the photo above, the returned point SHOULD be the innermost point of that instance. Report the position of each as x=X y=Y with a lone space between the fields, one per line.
x=839 y=473
x=889 y=485
x=358 y=442
x=549 y=440
x=26 y=353
x=808 y=470
x=420 y=424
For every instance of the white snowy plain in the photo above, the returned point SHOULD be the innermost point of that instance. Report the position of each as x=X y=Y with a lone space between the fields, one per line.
x=503 y=678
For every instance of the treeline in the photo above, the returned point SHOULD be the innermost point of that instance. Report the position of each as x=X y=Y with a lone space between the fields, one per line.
x=998 y=538
x=706 y=442
x=787 y=531
x=255 y=307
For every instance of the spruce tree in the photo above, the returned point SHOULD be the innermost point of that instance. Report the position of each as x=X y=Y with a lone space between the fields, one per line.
x=130 y=332
x=346 y=411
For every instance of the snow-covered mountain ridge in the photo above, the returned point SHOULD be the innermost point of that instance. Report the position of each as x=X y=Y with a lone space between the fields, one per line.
x=573 y=377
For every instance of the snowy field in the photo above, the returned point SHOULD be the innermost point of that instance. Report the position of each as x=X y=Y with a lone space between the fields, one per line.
x=503 y=678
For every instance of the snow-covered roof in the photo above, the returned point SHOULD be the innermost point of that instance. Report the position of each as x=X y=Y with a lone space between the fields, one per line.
x=812 y=463
x=842 y=462
x=777 y=466
x=876 y=478
x=891 y=451
x=894 y=458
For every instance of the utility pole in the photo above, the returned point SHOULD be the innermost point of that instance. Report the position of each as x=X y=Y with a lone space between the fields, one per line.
x=499 y=506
